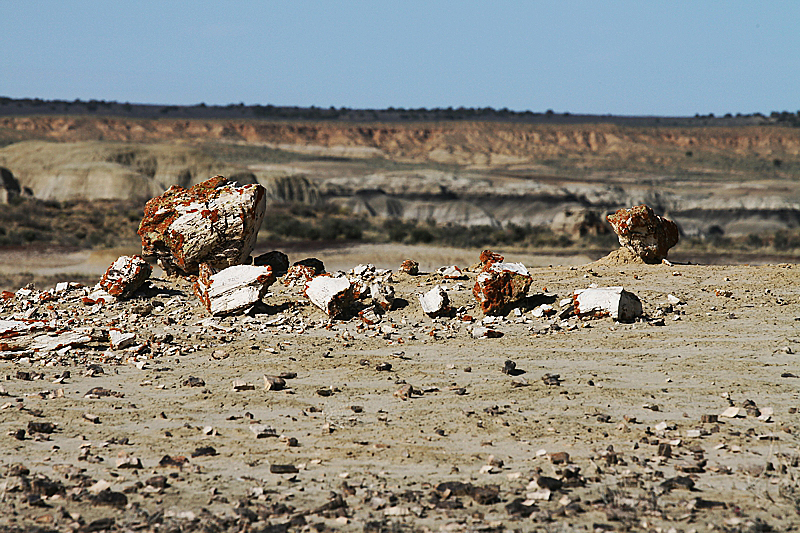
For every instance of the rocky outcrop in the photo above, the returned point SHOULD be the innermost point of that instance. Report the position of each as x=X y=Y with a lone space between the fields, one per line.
x=214 y=222
x=644 y=233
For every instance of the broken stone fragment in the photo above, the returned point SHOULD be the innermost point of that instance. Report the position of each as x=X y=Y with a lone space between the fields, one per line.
x=214 y=222
x=125 y=276
x=501 y=284
x=304 y=271
x=435 y=302
x=278 y=261
x=488 y=256
x=47 y=343
x=451 y=272
x=234 y=289
x=382 y=295
x=409 y=266
x=481 y=332
x=120 y=340
x=332 y=295
x=644 y=233
x=99 y=296
x=369 y=316
x=615 y=302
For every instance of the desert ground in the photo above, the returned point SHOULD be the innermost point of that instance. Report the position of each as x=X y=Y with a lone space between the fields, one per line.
x=597 y=425
x=683 y=420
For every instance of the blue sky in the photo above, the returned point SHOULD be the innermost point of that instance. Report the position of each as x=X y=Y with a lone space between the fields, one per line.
x=621 y=57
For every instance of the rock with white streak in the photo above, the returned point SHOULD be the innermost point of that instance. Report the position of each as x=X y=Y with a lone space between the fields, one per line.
x=125 y=276
x=214 y=222
x=481 y=332
x=435 y=302
x=501 y=284
x=234 y=289
x=615 y=302
x=332 y=295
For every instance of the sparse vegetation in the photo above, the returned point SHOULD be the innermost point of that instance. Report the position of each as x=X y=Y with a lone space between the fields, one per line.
x=28 y=223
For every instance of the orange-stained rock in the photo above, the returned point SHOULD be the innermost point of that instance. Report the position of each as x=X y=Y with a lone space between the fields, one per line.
x=488 y=256
x=409 y=266
x=214 y=222
x=125 y=275
x=500 y=284
x=644 y=233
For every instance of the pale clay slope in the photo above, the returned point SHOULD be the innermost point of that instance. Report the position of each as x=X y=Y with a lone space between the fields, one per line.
x=487 y=196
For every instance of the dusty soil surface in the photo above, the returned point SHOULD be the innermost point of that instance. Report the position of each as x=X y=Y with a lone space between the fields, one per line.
x=621 y=437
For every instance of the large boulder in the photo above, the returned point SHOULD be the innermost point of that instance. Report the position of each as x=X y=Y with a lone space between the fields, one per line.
x=644 y=233
x=214 y=222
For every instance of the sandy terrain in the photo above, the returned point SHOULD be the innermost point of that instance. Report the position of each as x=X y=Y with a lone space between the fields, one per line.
x=366 y=460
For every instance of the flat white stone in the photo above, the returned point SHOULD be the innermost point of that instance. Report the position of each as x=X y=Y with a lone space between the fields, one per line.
x=434 y=302
x=234 y=289
x=120 y=340
x=330 y=294
x=615 y=302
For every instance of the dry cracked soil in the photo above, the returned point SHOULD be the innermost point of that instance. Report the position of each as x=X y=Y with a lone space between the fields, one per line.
x=559 y=424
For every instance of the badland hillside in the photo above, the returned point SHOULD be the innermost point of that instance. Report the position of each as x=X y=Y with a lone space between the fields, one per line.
x=411 y=175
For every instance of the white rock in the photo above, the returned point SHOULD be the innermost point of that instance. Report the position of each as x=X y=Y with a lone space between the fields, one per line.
x=672 y=299
x=47 y=343
x=615 y=302
x=451 y=272
x=101 y=296
x=332 y=295
x=120 y=340
x=730 y=412
x=434 y=302
x=234 y=289
x=480 y=332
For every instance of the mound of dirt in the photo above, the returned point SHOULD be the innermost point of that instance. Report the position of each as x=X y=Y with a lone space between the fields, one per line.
x=621 y=256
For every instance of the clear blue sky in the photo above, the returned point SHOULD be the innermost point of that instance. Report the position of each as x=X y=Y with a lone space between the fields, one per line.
x=637 y=57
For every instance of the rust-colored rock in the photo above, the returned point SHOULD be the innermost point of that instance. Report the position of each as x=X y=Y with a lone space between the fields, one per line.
x=488 y=256
x=125 y=275
x=213 y=222
x=644 y=233
x=500 y=284
x=409 y=266
x=304 y=271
